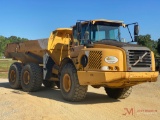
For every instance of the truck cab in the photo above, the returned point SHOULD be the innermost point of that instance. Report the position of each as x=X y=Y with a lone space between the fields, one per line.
x=97 y=30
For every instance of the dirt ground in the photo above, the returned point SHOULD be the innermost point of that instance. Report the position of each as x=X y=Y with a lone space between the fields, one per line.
x=48 y=104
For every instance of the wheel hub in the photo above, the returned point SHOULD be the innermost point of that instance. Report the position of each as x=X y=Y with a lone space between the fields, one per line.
x=66 y=83
x=13 y=76
x=26 y=77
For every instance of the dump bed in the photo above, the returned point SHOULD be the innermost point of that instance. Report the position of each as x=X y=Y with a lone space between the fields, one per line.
x=28 y=51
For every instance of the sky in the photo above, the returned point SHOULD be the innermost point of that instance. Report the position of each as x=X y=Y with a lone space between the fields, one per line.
x=35 y=19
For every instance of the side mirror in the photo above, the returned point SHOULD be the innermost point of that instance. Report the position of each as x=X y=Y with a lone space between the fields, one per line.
x=136 y=30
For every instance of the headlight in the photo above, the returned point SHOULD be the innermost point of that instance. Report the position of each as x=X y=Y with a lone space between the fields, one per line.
x=104 y=68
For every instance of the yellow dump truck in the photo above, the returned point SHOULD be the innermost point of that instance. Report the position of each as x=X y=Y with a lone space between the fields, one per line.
x=90 y=53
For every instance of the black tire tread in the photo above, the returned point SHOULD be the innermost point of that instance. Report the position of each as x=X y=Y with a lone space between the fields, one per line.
x=126 y=92
x=18 y=67
x=80 y=91
x=118 y=93
x=37 y=77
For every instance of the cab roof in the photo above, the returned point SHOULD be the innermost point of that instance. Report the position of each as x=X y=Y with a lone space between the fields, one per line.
x=102 y=20
x=105 y=20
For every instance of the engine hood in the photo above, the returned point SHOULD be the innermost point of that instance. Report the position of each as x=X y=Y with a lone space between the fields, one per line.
x=125 y=46
x=116 y=43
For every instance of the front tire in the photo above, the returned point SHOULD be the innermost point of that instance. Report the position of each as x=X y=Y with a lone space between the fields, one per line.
x=31 y=77
x=14 y=75
x=118 y=93
x=70 y=88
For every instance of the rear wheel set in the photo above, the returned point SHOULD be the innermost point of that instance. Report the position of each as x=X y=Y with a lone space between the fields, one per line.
x=29 y=77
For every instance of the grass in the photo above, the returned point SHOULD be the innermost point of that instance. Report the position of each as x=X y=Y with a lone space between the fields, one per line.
x=4 y=67
x=3 y=74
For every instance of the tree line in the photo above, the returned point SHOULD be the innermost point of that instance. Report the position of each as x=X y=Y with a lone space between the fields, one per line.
x=5 y=40
x=154 y=45
x=144 y=40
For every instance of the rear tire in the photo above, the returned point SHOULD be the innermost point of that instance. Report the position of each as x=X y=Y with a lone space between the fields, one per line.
x=14 y=75
x=70 y=88
x=31 y=77
x=118 y=93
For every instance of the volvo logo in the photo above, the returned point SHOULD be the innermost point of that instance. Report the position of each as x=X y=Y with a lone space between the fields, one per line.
x=140 y=59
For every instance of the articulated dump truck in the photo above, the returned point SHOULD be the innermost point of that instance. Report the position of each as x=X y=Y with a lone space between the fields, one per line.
x=90 y=53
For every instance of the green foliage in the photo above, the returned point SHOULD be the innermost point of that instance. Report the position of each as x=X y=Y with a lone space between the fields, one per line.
x=5 y=40
x=158 y=46
x=145 y=40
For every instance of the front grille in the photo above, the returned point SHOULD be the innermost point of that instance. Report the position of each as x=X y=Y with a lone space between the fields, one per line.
x=95 y=58
x=139 y=58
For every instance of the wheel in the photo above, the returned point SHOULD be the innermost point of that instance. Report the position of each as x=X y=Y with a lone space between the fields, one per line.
x=31 y=77
x=118 y=93
x=70 y=88
x=14 y=75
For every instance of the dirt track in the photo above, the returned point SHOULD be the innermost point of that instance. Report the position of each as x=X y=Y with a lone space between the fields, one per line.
x=48 y=104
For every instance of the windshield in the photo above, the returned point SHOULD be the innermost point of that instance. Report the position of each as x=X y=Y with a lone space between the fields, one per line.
x=104 y=32
x=98 y=31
